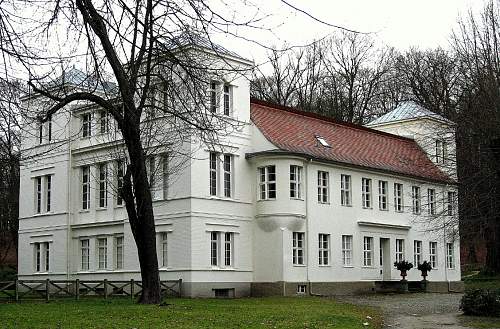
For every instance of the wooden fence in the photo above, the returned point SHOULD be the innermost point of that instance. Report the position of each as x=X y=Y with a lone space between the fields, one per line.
x=76 y=289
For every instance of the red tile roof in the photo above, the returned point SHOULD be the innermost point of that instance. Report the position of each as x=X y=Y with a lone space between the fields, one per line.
x=294 y=131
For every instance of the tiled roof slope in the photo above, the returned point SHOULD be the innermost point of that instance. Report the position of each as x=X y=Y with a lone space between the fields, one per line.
x=294 y=131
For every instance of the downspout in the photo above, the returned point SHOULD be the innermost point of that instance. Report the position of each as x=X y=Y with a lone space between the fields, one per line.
x=68 y=205
x=283 y=259
x=445 y=258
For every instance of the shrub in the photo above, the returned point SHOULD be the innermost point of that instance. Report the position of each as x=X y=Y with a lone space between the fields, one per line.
x=403 y=265
x=425 y=266
x=7 y=273
x=481 y=302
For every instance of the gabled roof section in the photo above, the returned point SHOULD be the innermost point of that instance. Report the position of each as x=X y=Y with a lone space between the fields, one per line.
x=407 y=110
x=293 y=131
x=190 y=38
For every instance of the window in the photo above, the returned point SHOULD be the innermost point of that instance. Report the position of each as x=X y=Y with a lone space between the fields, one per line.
x=228 y=179
x=450 y=257
x=228 y=249
x=366 y=192
x=368 y=251
x=347 y=250
x=295 y=182
x=165 y=175
x=441 y=151
x=222 y=241
x=433 y=254
x=400 y=250
x=431 y=200
x=213 y=97
x=324 y=249
x=87 y=125
x=415 y=197
x=382 y=194
x=298 y=248
x=85 y=253
x=164 y=249
x=322 y=141
x=417 y=252
x=451 y=204
x=102 y=253
x=301 y=289
x=323 y=186
x=40 y=132
x=345 y=190
x=48 y=192
x=398 y=197
x=49 y=128
x=227 y=99
x=42 y=256
x=120 y=172
x=103 y=122
x=267 y=182
x=214 y=248
x=119 y=252
x=85 y=187
x=151 y=172
x=38 y=195
x=103 y=188
x=213 y=173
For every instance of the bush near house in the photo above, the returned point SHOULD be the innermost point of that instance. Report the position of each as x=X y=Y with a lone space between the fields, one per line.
x=481 y=302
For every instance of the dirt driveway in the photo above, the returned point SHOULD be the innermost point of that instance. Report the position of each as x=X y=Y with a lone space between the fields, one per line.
x=415 y=310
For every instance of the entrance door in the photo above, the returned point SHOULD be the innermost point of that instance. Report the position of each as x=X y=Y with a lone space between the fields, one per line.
x=385 y=258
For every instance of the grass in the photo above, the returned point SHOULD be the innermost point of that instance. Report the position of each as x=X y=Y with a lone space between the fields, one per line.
x=480 y=322
x=478 y=281
x=279 y=312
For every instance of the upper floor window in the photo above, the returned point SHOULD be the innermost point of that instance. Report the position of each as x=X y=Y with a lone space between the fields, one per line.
x=49 y=128
x=366 y=192
x=417 y=252
x=120 y=172
x=295 y=182
x=400 y=250
x=298 y=248
x=267 y=182
x=345 y=190
x=165 y=174
x=103 y=185
x=85 y=187
x=45 y=130
x=103 y=121
x=415 y=198
x=324 y=249
x=347 y=250
x=431 y=201
x=323 y=186
x=213 y=97
x=228 y=175
x=452 y=203
x=43 y=194
x=38 y=194
x=227 y=99
x=441 y=151
x=213 y=173
x=87 y=124
x=382 y=194
x=398 y=197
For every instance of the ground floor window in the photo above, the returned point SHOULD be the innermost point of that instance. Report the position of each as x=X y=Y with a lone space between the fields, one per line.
x=347 y=250
x=102 y=253
x=433 y=254
x=119 y=252
x=85 y=254
x=324 y=248
x=450 y=256
x=298 y=248
x=368 y=251
x=417 y=252
x=222 y=249
x=41 y=256
x=400 y=250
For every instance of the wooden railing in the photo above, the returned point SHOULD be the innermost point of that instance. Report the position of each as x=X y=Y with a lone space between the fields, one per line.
x=54 y=289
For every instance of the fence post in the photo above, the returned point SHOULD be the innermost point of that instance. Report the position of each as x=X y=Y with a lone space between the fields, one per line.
x=180 y=287
x=47 y=290
x=132 y=288
x=17 y=289
x=105 y=288
x=77 y=289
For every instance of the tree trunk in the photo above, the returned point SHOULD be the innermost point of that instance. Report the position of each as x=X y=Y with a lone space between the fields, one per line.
x=493 y=249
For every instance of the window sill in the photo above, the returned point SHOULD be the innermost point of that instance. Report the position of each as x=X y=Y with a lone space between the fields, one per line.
x=383 y=209
x=327 y=265
x=348 y=266
x=83 y=211
x=325 y=203
x=297 y=199
x=299 y=265
x=346 y=205
x=119 y=206
x=369 y=267
x=101 y=208
x=368 y=208
x=266 y=200
x=216 y=268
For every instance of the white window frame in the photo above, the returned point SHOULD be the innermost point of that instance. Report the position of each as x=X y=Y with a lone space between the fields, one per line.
x=431 y=201
x=222 y=249
x=38 y=194
x=366 y=193
x=228 y=249
x=86 y=125
x=102 y=253
x=400 y=250
x=41 y=253
x=383 y=193
x=119 y=252
x=164 y=249
x=433 y=255
x=450 y=256
x=48 y=193
x=417 y=252
x=416 y=200
x=165 y=174
x=227 y=168
x=85 y=187
x=85 y=254
x=214 y=248
x=323 y=249
x=103 y=185
x=267 y=183
x=368 y=251
x=103 y=122
x=451 y=203
x=345 y=190
x=298 y=248
x=398 y=197
x=347 y=250
x=213 y=97
x=227 y=99
x=120 y=173
x=213 y=173
x=323 y=186
x=295 y=182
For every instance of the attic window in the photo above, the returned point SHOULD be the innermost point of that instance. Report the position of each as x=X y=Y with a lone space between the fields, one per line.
x=322 y=141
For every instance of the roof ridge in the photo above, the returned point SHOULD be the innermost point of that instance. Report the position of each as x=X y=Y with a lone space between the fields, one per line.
x=325 y=118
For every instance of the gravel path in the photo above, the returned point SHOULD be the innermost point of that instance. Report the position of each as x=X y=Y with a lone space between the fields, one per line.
x=414 y=310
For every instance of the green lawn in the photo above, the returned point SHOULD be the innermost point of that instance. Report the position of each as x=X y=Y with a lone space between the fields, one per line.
x=307 y=312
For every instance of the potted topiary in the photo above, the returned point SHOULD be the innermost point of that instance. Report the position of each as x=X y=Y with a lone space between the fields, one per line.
x=424 y=267
x=403 y=266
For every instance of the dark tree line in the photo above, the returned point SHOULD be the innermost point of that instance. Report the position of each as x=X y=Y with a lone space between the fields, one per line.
x=350 y=78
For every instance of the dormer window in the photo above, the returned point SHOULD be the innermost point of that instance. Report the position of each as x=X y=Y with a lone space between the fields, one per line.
x=322 y=141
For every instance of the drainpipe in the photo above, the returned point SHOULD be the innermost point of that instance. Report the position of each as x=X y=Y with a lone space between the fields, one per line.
x=445 y=258
x=68 y=204
x=283 y=259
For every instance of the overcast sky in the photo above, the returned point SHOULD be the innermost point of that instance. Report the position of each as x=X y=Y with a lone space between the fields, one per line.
x=398 y=23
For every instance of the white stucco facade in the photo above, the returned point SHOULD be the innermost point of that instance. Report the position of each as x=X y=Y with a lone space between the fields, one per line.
x=97 y=242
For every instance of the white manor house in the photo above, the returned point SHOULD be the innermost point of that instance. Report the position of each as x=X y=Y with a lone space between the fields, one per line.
x=296 y=203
